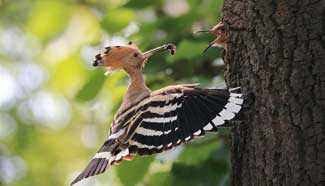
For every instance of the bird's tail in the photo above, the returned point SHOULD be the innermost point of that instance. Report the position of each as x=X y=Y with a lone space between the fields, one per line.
x=100 y=161
x=235 y=90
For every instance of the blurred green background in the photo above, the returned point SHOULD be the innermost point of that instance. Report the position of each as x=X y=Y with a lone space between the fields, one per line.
x=56 y=109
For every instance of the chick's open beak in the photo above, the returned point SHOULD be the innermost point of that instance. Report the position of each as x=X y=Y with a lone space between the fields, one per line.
x=170 y=47
x=209 y=32
x=209 y=46
x=218 y=31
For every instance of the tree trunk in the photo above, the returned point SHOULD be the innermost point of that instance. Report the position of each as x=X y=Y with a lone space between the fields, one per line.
x=276 y=52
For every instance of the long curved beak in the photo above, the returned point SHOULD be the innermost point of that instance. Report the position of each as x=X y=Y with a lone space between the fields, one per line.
x=209 y=32
x=170 y=47
x=209 y=46
x=203 y=31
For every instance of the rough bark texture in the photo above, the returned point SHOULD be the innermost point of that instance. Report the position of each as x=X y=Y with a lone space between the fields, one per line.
x=276 y=51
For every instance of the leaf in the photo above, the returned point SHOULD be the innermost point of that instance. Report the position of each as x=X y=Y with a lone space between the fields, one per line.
x=160 y=179
x=142 y=3
x=67 y=75
x=116 y=20
x=209 y=173
x=130 y=173
x=48 y=19
x=92 y=86
x=212 y=171
x=199 y=151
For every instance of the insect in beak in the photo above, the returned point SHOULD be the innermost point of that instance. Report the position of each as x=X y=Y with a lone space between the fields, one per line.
x=170 y=47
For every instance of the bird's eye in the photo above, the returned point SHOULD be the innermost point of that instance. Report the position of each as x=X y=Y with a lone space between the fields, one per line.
x=135 y=54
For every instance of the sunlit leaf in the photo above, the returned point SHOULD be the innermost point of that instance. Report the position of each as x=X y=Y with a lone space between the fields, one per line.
x=116 y=83
x=160 y=179
x=67 y=75
x=130 y=173
x=92 y=86
x=117 y=19
x=48 y=18
x=83 y=29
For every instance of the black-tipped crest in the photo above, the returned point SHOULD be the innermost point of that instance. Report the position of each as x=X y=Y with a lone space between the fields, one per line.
x=98 y=56
x=107 y=49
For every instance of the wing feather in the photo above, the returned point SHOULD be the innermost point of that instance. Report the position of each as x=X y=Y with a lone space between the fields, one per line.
x=197 y=111
x=165 y=119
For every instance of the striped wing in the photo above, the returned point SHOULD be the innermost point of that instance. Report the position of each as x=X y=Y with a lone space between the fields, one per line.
x=178 y=117
x=165 y=119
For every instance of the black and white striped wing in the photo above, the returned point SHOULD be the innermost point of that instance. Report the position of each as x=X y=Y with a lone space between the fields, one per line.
x=176 y=117
x=162 y=121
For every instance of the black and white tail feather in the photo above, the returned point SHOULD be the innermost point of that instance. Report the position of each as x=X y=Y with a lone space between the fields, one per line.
x=167 y=118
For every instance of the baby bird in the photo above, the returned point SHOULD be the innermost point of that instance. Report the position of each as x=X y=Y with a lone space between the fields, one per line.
x=219 y=31
x=150 y=122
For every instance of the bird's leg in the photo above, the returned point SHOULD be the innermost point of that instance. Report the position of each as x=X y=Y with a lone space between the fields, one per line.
x=128 y=157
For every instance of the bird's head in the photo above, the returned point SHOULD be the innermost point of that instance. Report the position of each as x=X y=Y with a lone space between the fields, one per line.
x=219 y=31
x=127 y=57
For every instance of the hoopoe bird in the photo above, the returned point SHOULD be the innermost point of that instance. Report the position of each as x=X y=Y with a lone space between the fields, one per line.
x=219 y=31
x=150 y=122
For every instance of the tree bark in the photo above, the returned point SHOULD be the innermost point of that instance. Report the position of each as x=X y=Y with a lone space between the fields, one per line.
x=276 y=52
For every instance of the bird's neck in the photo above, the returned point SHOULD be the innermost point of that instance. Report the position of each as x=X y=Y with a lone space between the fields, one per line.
x=137 y=88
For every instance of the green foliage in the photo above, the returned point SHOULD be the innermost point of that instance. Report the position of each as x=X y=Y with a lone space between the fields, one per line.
x=130 y=173
x=202 y=174
x=91 y=88
x=160 y=179
x=210 y=171
x=56 y=109
x=189 y=50
x=143 y=4
x=194 y=156
x=116 y=20
x=47 y=19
